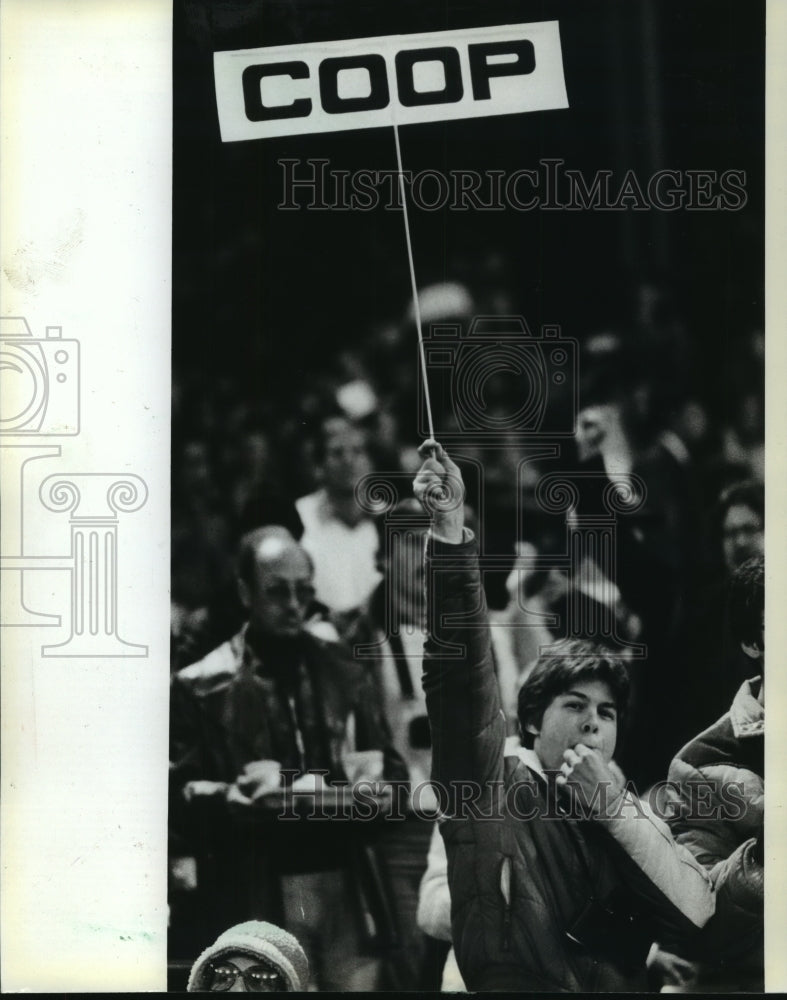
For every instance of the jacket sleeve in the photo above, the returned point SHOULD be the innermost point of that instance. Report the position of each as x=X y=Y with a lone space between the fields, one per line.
x=187 y=738
x=434 y=897
x=198 y=744
x=696 y=800
x=462 y=697
x=190 y=759
x=717 y=844
x=737 y=926
x=677 y=889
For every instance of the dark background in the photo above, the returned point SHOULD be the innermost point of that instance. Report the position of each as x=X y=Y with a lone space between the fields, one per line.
x=274 y=311
x=265 y=296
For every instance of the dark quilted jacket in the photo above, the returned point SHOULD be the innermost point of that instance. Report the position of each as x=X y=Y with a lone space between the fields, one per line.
x=719 y=817
x=226 y=711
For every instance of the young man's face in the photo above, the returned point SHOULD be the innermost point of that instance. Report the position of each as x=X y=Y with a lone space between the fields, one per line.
x=587 y=714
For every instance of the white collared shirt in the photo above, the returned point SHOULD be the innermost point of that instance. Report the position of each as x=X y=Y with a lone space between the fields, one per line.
x=345 y=572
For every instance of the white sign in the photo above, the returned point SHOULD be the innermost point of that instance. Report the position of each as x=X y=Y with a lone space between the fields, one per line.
x=403 y=79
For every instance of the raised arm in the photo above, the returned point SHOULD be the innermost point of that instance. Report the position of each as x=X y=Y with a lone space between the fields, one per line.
x=462 y=698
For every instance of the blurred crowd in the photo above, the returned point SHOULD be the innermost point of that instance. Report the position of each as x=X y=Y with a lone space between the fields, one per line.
x=297 y=605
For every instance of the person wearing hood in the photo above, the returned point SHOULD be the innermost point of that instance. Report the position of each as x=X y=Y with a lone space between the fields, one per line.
x=252 y=957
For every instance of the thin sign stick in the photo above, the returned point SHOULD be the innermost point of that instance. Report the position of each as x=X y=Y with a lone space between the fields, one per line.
x=416 y=305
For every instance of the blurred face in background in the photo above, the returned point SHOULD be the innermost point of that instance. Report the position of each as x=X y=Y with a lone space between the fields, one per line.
x=255 y=456
x=279 y=597
x=346 y=459
x=592 y=428
x=742 y=535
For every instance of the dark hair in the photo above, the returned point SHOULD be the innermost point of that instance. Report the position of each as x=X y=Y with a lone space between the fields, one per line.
x=554 y=673
x=746 y=601
x=748 y=493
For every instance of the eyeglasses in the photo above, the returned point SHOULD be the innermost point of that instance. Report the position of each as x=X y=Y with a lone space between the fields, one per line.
x=256 y=979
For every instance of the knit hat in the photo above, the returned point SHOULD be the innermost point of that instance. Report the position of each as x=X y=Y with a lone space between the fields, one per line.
x=257 y=939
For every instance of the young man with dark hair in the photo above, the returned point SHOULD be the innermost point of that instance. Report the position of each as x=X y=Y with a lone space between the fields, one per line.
x=568 y=893
x=577 y=663
x=719 y=812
